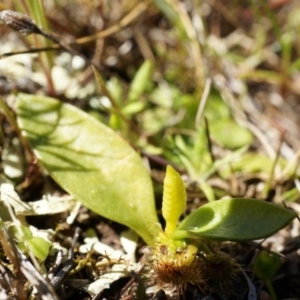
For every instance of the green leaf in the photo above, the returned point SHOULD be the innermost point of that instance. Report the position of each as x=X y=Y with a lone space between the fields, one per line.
x=174 y=199
x=207 y=190
x=39 y=247
x=230 y=134
x=155 y=120
x=133 y=108
x=26 y=241
x=266 y=265
x=215 y=108
x=234 y=220
x=168 y=10
x=140 y=81
x=252 y=162
x=193 y=153
x=91 y=162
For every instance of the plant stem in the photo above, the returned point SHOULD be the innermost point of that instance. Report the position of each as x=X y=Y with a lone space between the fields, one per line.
x=270 y=289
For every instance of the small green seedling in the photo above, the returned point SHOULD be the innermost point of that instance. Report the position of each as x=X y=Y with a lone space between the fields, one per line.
x=95 y=165
x=265 y=267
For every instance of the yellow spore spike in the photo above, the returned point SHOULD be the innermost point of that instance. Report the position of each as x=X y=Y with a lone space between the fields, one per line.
x=174 y=199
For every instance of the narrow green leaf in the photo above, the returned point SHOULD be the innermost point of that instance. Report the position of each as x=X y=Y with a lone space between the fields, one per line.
x=207 y=190
x=269 y=76
x=140 y=81
x=91 y=162
x=234 y=220
x=174 y=199
x=168 y=10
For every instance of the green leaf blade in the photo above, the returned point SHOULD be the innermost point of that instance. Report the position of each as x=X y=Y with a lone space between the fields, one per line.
x=235 y=220
x=140 y=81
x=91 y=162
x=39 y=247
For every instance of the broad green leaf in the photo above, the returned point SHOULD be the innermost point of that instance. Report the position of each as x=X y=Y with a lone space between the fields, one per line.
x=91 y=162
x=174 y=199
x=234 y=220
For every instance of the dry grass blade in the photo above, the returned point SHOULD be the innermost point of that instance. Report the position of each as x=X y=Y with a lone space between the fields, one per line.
x=44 y=288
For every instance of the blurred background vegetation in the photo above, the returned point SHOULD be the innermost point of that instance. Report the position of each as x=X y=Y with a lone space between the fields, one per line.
x=211 y=87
